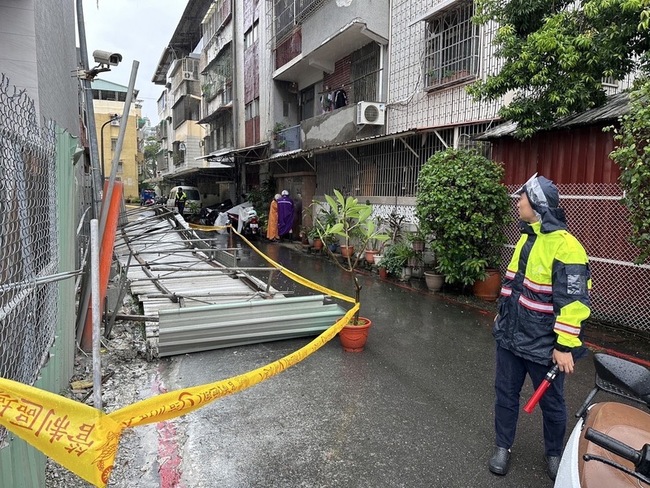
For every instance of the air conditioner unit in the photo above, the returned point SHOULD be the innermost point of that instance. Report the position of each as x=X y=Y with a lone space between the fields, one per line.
x=371 y=113
x=188 y=75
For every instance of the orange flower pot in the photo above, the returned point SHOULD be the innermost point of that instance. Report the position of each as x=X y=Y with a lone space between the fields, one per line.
x=346 y=251
x=370 y=255
x=353 y=337
x=489 y=288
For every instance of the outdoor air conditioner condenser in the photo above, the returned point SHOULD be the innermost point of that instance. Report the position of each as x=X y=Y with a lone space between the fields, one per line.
x=371 y=113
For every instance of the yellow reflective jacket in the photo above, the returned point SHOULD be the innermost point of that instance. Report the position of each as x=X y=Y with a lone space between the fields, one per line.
x=544 y=296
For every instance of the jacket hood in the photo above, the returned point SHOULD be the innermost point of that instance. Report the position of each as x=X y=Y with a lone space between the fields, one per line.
x=544 y=198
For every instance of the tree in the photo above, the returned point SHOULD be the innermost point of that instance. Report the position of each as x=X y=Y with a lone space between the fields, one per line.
x=151 y=149
x=633 y=156
x=555 y=55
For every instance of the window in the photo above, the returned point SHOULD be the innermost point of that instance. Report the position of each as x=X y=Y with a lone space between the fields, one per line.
x=364 y=70
x=215 y=18
x=252 y=109
x=250 y=36
x=113 y=144
x=452 y=43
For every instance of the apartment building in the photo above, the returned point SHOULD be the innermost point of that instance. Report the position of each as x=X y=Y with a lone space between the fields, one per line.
x=324 y=94
x=108 y=104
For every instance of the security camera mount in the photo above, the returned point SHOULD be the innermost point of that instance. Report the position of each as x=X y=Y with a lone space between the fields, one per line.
x=90 y=74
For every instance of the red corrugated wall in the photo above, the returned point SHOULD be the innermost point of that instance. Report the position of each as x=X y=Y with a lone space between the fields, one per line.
x=577 y=155
x=577 y=160
x=251 y=74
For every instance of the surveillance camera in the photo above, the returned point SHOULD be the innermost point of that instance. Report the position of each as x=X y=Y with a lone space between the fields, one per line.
x=105 y=57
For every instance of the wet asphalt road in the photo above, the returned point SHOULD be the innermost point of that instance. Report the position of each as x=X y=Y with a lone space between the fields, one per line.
x=413 y=410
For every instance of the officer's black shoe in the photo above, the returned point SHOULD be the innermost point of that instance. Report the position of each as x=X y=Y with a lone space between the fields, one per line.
x=500 y=461
x=552 y=465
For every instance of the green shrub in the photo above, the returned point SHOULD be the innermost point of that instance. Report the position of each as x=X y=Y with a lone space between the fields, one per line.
x=463 y=204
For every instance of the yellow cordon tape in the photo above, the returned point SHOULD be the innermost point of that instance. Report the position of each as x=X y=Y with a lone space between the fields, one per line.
x=85 y=440
x=208 y=228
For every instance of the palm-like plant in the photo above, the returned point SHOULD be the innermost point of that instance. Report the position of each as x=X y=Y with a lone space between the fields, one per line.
x=351 y=221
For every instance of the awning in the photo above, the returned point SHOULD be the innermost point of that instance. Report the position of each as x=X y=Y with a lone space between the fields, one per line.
x=217 y=158
x=254 y=152
x=215 y=154
x=296 y=153
x=615 y=106
x=210 y=117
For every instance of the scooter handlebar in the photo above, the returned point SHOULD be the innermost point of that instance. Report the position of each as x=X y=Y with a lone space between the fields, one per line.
x=613 y=445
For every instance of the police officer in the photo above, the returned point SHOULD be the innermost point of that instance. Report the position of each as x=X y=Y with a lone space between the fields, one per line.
x=544 y=301
x=181 y=198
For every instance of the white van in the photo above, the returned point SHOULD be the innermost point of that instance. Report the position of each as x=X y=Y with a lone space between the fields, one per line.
x=193 y=199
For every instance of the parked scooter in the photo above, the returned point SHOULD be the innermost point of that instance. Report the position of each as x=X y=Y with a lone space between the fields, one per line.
x=243 y=217
x=251 y=225
x=209 y=214
x=610 y=444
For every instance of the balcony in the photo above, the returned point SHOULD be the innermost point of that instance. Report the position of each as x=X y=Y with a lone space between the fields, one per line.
x=328 y=129
x=311 y=65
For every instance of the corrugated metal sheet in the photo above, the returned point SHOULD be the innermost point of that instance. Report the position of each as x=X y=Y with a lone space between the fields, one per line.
x=615 y=106
x=226 y=325
x=577 y=155
x=197 y=303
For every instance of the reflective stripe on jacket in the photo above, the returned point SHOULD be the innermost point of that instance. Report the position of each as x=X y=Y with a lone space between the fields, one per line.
x=544 y=296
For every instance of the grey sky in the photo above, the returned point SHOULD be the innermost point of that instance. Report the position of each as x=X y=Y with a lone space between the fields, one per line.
x=138 y=30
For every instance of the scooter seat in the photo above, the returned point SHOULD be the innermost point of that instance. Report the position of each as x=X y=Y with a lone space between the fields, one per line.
x=622 y=422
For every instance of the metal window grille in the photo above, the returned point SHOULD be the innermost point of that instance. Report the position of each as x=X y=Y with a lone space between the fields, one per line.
x=452 y=41
x=390 y=168
x=218 y=77
x=28 y=237
x=364 y=70
x=382 y=169
x=217 y=14
x=290 y=13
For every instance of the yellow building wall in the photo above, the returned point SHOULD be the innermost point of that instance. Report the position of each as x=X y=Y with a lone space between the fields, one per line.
x=128 y=172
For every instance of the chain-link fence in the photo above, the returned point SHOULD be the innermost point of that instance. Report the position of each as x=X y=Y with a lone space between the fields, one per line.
x=600 y=221
x=28 y=237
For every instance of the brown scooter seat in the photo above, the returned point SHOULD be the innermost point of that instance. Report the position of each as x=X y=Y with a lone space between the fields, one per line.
x=622 y=422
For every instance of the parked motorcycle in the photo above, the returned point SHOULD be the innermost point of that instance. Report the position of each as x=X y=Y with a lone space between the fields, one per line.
x=208 y=215
x=243 y=217
x=610 y=444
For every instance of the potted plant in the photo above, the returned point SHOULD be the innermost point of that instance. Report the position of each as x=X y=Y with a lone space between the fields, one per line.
x=462 y=202
x=407 y=257
x=395 y=260
x=351 y=222
x=417 y=239
x=432 y=277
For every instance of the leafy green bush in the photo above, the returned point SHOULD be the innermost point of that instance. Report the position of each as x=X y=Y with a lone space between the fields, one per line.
x=463 y=204
x=633 y=157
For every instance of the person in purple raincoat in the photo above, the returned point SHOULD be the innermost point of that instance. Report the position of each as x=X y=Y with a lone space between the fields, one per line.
x=285 y=214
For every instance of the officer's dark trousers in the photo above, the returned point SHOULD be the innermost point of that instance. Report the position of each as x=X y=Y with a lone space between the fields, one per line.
x=511 y=372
